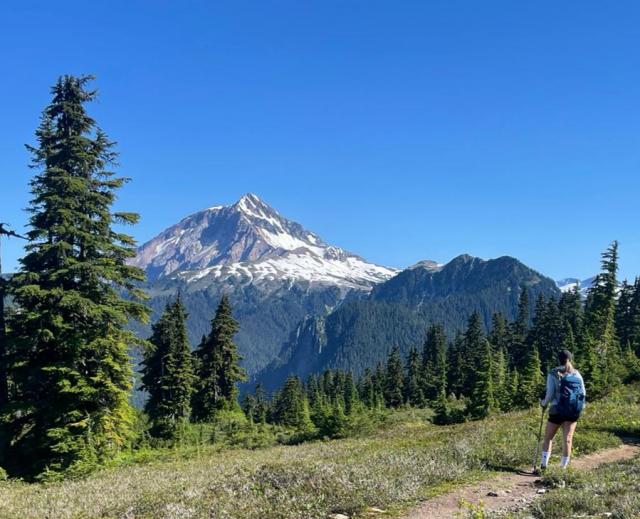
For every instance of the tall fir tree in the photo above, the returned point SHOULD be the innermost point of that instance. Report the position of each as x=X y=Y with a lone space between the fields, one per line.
x=291 y=408
x=628 y=316
x=394 y=379
x=482 y=400
x=71 y=370
x=500 y=379
x=519 y=327
x=531 y=380
x=600 y=314
x=218 y=366
x=351 y=400
x=473 y=352
x=499 y=335
x=572 y=312
x=167 y=373
x=366 y=389
x=456 y=362
x=413 y=394
x=434 y=363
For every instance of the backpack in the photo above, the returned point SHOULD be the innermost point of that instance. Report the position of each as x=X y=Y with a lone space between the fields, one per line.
x=571 y=399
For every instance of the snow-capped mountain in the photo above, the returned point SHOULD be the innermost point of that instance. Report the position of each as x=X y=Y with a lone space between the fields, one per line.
x=569 y=284
x=252 y=243
x=276 y=273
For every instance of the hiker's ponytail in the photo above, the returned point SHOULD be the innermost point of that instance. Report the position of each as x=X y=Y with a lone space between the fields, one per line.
x=565 y=357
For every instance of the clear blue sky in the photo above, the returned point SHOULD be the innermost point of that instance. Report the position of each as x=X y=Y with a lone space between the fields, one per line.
x=398 y=130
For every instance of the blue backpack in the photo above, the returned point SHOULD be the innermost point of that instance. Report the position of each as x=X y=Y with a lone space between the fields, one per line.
x=571 y=400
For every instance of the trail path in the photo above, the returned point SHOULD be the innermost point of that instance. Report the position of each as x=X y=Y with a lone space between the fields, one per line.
x=514 y=491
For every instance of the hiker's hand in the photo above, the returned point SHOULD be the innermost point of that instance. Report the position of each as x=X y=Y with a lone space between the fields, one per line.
x=542 y=404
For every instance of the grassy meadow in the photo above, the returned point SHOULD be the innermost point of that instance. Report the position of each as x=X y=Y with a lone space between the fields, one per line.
x=403 y=461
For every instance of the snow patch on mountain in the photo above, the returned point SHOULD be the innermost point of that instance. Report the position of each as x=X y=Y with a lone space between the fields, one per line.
x=570 y=284
x=252 y=242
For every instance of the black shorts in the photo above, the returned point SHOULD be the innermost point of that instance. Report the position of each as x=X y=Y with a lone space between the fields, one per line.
x=559 y=419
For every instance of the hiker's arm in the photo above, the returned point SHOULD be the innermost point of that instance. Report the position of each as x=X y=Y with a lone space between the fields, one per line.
x=551 y=389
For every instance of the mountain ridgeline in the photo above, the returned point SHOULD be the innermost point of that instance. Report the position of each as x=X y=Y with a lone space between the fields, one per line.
x=304 y=305
x=360 y=333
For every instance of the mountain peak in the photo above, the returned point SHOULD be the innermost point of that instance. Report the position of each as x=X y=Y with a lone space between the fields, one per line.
x=427 y=265
x=252 y=241
x=251 y=203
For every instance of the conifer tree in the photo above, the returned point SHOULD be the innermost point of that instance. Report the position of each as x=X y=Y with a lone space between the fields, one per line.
x=292 y=407
x=513 y=385
x=327 y=384
x=366 y=389
x=591 y=367
x=338 y=388
x=456 y=363
x=167 y=373
x=518 y=329
x=434 y=363
x=571 y=311
x=548 y=333
x=531 y=380
x=413 y=394
x=499 y=336
x=218 y=368
x=379 y=382
x=312 y=389
x=482 y=400
x=350 y=396
x=628 y=316
x=473 y=353
x=261 y=405
x=600 y=313
x=394 y=379
x=500 y=380
x=72 y=372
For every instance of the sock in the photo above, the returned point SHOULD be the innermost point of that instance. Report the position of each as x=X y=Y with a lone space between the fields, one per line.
x=545 y=458
x=564 y=463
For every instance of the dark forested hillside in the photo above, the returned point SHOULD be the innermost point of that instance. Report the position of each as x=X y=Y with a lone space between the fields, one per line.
x=359 y=334
x=449 y=294
x=267 y=317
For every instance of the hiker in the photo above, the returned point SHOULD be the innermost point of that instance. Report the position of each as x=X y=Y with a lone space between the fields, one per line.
x=566 y=394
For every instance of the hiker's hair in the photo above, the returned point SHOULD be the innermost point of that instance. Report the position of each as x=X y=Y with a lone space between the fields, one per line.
x=565 y=357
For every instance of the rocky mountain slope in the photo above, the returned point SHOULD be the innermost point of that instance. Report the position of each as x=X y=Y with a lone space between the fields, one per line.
x=252 y=242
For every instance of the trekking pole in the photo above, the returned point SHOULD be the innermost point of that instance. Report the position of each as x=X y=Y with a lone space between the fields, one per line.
x=535 y=457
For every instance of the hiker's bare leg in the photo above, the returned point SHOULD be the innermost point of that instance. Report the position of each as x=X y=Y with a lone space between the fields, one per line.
x=568 y=428
x=549 y=433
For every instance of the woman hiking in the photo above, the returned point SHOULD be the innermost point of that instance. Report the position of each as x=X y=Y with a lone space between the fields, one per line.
x=566 y=394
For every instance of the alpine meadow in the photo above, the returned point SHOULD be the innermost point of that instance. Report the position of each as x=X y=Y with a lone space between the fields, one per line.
x=174 y=346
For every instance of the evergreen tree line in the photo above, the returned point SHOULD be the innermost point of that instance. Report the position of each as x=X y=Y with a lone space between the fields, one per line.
x=479 y=372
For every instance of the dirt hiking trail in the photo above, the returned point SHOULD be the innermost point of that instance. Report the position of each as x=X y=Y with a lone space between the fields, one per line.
x=509 y=492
